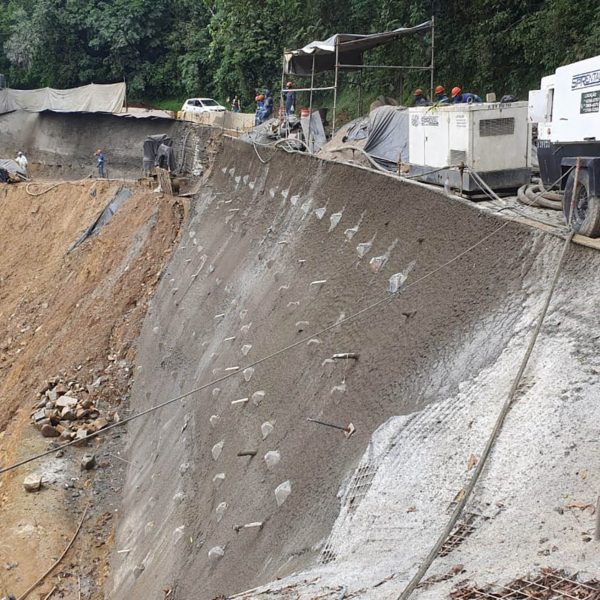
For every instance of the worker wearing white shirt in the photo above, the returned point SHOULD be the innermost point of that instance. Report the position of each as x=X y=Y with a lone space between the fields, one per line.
x=22 y=162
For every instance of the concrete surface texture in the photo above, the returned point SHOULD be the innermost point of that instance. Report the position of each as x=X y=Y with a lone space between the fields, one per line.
x=273 y=253
x=61 y=146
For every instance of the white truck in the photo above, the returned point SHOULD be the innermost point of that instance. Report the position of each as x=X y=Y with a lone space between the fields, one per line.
x=566 y=109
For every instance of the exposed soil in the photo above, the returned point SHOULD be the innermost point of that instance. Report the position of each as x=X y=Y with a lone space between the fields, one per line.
x=76 y=315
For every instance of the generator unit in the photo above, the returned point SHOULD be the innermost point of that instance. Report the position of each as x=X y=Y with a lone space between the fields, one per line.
x=448 y=142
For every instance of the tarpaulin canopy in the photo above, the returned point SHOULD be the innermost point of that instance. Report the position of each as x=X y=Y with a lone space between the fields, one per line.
x=350 y=49
x=88 y=98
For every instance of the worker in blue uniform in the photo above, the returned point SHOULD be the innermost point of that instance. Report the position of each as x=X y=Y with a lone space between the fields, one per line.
x=420 y=98
x=440 y=95
x=460 y=97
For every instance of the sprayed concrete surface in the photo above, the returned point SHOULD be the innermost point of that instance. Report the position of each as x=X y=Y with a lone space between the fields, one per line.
x=62 y=146
x=272 y=254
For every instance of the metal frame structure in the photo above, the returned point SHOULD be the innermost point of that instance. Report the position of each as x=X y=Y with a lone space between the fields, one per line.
x=338 y=66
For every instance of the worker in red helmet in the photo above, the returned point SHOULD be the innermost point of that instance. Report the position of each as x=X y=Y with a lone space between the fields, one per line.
x=460 y=97
x=420 y=98
x=440 y=95
x=290 y=98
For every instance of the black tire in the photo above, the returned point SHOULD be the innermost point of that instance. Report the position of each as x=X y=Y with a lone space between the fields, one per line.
x=586 y=215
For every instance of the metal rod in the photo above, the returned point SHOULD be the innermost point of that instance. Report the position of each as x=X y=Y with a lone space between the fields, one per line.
x=597 y=536
x=247 y=453
x=335 y=85
x=314 y=89
x=574 y=194
x=408 y=67
x=326 y=424
x=346 y=355
x=360 y=78
x=281 y=102
x=312 y=85
x=432 y=55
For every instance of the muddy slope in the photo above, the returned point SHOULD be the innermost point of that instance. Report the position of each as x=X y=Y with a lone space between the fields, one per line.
x=274 y=253
x=74 y=315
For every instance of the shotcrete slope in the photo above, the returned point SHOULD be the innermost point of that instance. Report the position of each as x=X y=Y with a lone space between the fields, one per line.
x=62 y=146
x=273 y=253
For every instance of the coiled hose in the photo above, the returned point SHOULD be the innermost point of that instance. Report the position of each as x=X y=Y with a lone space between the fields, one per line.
x=534 y=194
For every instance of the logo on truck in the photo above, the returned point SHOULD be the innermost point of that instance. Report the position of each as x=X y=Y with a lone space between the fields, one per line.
x=583 y=80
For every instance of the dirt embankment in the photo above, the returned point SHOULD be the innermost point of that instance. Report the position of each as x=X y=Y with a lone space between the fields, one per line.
x=273 y=253
x=74 y=315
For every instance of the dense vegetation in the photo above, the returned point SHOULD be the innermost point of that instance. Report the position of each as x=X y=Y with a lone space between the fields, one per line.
x=177 y=48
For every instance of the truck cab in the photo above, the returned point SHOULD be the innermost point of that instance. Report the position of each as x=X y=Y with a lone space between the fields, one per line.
x=566 y=109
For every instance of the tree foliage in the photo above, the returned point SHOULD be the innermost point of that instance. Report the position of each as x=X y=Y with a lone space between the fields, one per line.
x=178 y=48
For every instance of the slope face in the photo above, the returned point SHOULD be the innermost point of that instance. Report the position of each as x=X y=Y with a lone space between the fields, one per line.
x=76 y=315
x=273 y=253
x=63 y=145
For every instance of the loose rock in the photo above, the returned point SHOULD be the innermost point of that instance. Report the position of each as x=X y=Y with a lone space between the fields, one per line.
x=49 y=431
x=32 y=483
x=88 y=462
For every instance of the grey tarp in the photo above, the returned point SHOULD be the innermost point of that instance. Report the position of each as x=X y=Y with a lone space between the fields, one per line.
x=387 y=140
x=157 y=150
x=314 y=134
x=88 y=98
x=8 y=168
x=350 y=49
x=105 y=216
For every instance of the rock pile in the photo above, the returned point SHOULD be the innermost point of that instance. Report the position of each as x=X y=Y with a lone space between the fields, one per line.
x=66 y=411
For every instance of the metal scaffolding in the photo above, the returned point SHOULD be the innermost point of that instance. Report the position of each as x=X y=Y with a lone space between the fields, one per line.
x=345 y=52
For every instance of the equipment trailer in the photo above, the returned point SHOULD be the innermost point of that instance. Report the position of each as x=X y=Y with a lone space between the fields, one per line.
x=567 y=111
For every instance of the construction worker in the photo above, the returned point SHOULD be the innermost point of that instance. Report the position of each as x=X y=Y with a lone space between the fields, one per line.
x=440 y=95
x=420 y=98
x=269 y=105
x=260 y=103
x=460 y=97
x=21 y=160
x=100 y=160
x=290 y=98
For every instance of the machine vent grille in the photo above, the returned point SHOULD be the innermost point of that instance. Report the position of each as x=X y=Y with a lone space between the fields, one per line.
x=457 y=157
x=489 y=127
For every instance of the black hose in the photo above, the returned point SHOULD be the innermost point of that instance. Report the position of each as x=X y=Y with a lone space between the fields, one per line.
x=535 y=195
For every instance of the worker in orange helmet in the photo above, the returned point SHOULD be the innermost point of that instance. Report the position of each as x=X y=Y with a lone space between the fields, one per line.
x=290 y=98
x=440 y=95
x=420 y=98
x=461 y=97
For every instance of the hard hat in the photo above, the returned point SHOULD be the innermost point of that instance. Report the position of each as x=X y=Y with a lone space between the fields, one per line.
x=418 y=92
x=440 y=89
x=99 y=151
x=289 y=84
x=19 y=153
x=456 y=91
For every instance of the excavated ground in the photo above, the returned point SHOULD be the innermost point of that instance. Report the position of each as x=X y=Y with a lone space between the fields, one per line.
x=74 y=315
x=277 y=248
x=276 y=253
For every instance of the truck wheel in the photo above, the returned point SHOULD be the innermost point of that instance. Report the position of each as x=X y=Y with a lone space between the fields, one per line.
x=586 y=214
